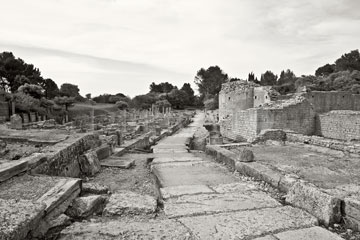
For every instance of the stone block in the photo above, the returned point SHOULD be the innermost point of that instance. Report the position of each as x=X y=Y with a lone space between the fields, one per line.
x=126 y=202
x=89 y=163
x=94 y=188
x=84 y=207
x=16 y=122
x=103 y=152
x=176 y=191
x=322 y=205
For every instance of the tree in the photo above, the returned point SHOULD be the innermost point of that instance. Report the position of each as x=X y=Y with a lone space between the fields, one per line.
x=69 y=90
x=88 y=96
x=51 y=88
x=286 y=77
x=144 y=101
x=65 y=101
x=348 y=61
x=210 y=80
x=325 y=70
x=190 y=93
x=252 y=78
x=178 y=98
x=268 y=78
x=164 y=87
x=31 y=89
x=305 y=81
x=122 y=105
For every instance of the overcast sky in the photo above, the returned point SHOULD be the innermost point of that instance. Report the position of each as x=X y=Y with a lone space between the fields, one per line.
x=112 y=46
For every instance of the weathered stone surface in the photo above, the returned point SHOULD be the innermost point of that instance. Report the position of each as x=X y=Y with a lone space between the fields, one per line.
x=191 y=174
x=176 y=159
x=10 y=169
x=89 y=163
x=61 y=221
x=103 y=152
x=164 y=229
x=176 y=191
x=126 y=202
x=94 y=188
x=84 y=207
x=244 y=155
x=269 y=237
x=322 y=205
x=16 y=122
x=118 y=162
x=352 y=207
x=247 y=224
x=239 y=187
x=317 y=233
x=19 y=217
x=190 y=205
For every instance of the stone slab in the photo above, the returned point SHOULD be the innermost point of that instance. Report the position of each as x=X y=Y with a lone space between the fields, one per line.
x=164 y=229
x=248 y=224
x=19 y=217
x=84 y=207
x=268 y=237
x=317 y=233
x=176 y=191
x=234 y=187
x=322 y=205
x=352 y=207
x=191 y=174
x=94 y=188
x=216 y=203
x=12 y=168
x=118 y=162
x=126 y=202
x=169 y=150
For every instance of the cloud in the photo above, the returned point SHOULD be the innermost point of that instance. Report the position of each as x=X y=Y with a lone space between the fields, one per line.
x=169 y=40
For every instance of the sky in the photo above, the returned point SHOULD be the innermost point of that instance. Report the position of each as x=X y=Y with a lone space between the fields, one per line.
x=122 y=46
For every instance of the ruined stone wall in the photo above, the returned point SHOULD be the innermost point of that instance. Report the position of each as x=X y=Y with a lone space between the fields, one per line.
x=333 y=100
x=242 y=125
x=4 y=110
x=236 y=100
x=261 y=96
x=298 y=117
x=344 y=125
x=295 y=115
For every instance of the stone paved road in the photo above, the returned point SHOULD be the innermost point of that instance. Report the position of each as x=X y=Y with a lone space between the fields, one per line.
x=203 y=200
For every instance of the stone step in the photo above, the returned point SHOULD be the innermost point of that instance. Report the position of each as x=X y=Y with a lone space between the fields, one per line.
x=119 y=162
x=9 y=169
x=248 y=224
x=55 y=194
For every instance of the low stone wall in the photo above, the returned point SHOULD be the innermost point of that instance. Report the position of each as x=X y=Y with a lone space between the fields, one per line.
x=61 y=159
x=344 y=125
x=333 y=144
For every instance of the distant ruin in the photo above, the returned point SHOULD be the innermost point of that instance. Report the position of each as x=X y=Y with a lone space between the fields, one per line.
x=246 y=109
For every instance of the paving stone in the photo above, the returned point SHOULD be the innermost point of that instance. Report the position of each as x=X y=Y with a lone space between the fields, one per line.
x=118 y=162
x=191 y=205
x=176 y=159
x=191 y=174
x=94 y=188
x=247 y=224
x=126 y=202
x=176 y=191
x=164 y=229
x=165 y=150
x=322 y=205
x=317 y=233
x=352 y=207
x=84 y=207
x=19 y=217
x=234 y=187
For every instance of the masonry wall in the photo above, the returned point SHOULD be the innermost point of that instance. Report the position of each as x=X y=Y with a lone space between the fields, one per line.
x=299 y=118
x=343 y=125
x=261 y=96
x=333 y=100
x=4 y=110
x=245 y=125
x=234 y=101
x=241 y=126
